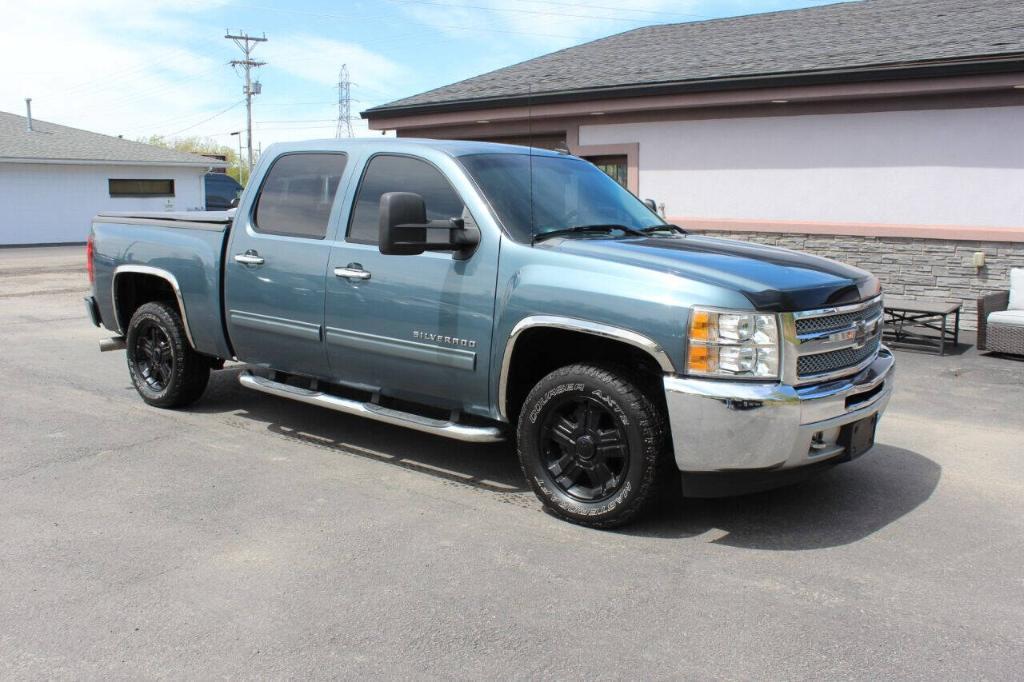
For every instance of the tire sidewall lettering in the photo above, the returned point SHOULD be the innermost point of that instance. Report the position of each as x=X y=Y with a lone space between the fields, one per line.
x=551 y=394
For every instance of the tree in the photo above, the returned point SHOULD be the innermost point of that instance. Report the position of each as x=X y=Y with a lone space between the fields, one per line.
x=198 y=145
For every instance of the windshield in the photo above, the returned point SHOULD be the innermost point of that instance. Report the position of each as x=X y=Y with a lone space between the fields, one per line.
x=567 y=192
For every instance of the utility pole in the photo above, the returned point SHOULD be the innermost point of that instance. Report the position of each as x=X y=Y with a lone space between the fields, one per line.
x=344 y=100
x=247 y=44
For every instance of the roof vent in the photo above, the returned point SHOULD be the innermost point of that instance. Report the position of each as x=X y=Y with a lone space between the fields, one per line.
x=28 y=112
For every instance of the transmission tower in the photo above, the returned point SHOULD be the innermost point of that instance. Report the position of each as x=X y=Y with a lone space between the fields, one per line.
x=344 y=101
x=247 y=44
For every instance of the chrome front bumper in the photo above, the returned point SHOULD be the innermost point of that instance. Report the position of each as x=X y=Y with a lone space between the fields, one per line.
x=737 y=426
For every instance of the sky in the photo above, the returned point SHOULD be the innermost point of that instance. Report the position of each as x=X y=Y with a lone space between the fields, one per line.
x=160 y=67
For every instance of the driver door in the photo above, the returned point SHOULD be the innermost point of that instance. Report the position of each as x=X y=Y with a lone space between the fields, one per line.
x=412 y=327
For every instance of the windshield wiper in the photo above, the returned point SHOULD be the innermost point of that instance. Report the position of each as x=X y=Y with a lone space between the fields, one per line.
x=669 y=227
x=604 y=228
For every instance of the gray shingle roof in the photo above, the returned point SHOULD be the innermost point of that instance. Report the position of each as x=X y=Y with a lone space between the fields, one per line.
x=846 y=36
x=52 y=142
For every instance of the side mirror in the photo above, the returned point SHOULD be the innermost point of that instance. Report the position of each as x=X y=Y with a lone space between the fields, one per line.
x=651 y=204
x=403 y=228
x=234 y=203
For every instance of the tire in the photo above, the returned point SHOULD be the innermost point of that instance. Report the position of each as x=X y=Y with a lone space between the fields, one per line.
x=591 y=444
x=164 y=369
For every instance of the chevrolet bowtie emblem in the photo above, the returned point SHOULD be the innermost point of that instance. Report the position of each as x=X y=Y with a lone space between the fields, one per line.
x=860 y=334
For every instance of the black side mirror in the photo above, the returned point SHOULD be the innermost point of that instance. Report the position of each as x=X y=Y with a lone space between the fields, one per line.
x=651 y=204
x=234 y=203
x=403 y=228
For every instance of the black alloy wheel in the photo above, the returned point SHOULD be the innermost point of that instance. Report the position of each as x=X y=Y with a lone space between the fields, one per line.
x=584 y=448
x=165 y=369
x=592 y=444
x=153 y=356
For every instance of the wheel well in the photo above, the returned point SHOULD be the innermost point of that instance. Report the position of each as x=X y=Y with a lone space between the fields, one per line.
x=540 y=351
x=134 y=289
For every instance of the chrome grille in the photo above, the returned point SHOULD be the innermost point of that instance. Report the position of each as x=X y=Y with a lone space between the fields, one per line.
x=810 y=325
x=830 y=343
x=824 y=363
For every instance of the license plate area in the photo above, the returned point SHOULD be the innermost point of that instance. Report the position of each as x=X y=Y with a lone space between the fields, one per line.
x=858 y=437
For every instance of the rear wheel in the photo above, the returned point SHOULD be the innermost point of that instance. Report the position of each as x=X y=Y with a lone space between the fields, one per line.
x=164 y=369
x=590 y=445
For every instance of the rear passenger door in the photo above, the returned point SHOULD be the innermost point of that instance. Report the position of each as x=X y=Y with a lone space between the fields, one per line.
x=277 y=261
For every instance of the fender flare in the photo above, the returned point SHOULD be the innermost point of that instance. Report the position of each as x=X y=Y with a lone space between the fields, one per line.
x=573 y=324
x=156 y=272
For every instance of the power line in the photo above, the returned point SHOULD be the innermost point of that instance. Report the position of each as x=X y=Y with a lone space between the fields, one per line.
x=247 y=44
x=298 y=120
x=584 y=6
x=515 y=10
x=297 y=104
x=196 y=125
x=476 y=29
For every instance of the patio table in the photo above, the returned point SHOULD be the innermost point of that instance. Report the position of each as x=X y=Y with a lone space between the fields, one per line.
x=909 y=322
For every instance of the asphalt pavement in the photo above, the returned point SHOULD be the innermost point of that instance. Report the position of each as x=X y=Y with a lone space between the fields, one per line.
x=249 y=536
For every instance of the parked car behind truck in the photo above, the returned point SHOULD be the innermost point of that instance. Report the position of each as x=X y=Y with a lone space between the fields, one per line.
x=222 y=191
x=481 y=292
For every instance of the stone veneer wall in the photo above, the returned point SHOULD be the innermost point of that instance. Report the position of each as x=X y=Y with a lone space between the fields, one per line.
x=928 y=269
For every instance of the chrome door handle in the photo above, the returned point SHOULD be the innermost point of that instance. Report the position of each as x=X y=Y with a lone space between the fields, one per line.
x=249 y=258
x=351 y=273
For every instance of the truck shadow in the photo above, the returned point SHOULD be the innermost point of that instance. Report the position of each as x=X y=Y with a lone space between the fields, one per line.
x=838 y=507
x=492 y=467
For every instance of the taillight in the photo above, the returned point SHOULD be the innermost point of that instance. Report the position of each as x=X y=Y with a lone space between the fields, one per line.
x=88 y=261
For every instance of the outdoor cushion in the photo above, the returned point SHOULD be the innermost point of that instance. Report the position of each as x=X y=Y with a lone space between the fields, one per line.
x=1016 y=289
x=1012 y=317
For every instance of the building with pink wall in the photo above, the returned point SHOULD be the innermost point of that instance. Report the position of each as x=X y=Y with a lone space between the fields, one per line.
x=887 y=133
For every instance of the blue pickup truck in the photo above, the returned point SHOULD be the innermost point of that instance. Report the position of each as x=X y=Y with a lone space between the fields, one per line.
x=481 y=292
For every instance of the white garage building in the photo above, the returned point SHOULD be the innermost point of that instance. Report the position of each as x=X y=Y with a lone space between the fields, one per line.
x=54 y=179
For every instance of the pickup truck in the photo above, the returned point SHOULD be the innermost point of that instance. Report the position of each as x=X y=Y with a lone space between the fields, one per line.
x=480 y=292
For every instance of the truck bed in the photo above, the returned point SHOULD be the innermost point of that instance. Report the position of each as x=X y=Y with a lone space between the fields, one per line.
x=183 y=247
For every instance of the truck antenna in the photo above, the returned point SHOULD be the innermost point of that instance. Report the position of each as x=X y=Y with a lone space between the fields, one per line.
x=529 y=134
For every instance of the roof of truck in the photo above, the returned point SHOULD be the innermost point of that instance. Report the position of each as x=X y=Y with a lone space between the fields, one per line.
x=399 y=144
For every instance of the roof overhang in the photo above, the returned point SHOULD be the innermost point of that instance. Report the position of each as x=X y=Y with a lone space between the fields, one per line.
x=104 y=162
x=755 y=87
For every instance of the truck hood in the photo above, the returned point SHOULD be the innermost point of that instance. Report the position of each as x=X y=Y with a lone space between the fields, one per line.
x=772 y=279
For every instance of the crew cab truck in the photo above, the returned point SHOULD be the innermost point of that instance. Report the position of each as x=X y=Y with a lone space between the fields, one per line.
x=481 y=292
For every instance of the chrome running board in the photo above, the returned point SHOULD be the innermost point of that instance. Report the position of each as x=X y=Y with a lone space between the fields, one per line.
x=437 y=427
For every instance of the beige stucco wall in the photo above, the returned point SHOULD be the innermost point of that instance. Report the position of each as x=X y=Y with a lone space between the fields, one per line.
x=915 y=167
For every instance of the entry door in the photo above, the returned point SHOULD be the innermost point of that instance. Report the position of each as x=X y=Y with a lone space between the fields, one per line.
x=276 y=265
x=413 y=327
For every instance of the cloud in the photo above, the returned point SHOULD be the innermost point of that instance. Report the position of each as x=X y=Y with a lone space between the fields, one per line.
x=106 y=65
x=544 y=24
x=160 y=67
x=318 y=60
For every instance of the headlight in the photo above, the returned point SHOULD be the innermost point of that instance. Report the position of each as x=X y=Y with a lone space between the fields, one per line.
x=732 y=344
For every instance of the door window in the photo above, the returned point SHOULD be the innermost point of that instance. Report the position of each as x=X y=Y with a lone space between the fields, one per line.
x=297 y=195
x=388 y=173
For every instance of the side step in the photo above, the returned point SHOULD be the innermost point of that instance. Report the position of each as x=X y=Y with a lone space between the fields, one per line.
x=438 y=427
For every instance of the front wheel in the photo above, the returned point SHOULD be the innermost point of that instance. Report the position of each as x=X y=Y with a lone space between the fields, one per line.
x=164 y=368
x=590 y=444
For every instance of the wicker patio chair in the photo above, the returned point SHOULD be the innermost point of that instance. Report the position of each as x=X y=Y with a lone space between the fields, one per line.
x=1004 y=331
